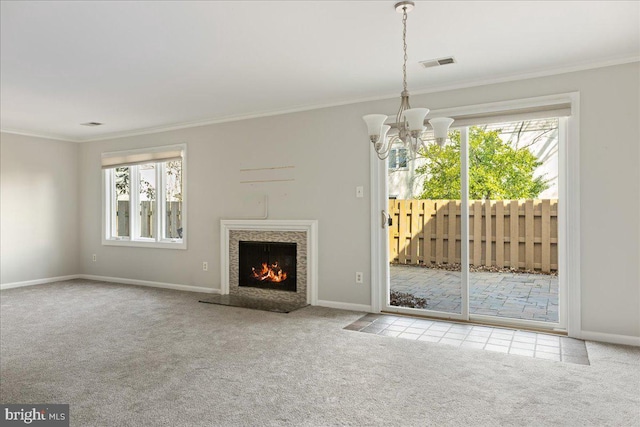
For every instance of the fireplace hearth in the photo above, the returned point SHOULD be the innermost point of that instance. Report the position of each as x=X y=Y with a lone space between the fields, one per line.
x=267 y=265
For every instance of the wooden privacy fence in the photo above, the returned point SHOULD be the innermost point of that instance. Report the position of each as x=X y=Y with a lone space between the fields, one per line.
x=520 y=234
x=174 y=219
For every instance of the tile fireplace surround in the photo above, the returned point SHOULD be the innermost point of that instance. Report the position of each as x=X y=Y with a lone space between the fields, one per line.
x=302 y=232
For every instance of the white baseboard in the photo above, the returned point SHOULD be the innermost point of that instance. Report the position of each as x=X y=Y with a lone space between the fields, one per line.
x=585 y=335
x=610 y=338
x=345 y=306
x=174 y=286
x=38 y=281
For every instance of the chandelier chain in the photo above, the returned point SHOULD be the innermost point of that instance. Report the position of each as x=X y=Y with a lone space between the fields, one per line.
x=404 y=47
x=409 y=122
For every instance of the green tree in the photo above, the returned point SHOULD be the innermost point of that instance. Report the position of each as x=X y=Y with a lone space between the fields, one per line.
x=497 y=171
x=122 y=180
x=123 y=184
x=174 y=184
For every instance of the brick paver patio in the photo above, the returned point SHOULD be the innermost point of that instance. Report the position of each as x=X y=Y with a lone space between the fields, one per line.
x=512 y=295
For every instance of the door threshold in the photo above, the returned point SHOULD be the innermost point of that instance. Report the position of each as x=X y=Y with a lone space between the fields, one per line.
x=479 y=323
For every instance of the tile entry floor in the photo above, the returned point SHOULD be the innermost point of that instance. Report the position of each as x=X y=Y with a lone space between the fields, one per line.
x=521 y=343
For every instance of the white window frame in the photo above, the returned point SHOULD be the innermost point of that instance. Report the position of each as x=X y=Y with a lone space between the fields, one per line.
x=159 y=219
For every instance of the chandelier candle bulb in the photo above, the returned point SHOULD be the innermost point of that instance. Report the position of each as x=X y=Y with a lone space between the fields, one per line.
x=440 y=127
x=415 y=118
x=374 y=125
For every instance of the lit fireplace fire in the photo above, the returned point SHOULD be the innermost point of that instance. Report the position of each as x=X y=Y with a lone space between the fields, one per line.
x=269 y=273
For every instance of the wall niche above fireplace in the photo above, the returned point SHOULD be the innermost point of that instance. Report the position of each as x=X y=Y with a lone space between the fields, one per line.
x=267 y=265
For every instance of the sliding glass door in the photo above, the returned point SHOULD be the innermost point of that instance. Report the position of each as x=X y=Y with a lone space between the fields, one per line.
x=473 y=225
x=425 y=234
x=513 y=222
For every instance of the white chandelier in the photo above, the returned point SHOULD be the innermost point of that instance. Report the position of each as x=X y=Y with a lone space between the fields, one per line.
x=409 y=121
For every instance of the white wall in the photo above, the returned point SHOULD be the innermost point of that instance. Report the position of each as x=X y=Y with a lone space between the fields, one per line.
x=324 y=189
x=215 y=155
x=38 y=208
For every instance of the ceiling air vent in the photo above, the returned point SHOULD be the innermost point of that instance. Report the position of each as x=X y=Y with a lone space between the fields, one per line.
x=91 y=124
x=437 y=62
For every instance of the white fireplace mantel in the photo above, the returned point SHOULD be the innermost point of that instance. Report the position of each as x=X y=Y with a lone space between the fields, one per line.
x=308 y=226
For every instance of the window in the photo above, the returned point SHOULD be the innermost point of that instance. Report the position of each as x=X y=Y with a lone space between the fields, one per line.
x=398 y=158
x=144 y=197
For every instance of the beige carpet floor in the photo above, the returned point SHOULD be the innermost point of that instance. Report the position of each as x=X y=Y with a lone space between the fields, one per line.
x=124 y=355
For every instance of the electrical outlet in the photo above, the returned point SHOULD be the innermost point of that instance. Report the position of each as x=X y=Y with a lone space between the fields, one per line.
x=205 y=266
x=95 y=258
x=359 y=277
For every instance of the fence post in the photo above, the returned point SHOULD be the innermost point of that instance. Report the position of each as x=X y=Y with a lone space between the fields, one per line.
x=146 y=219
x=402 y=234
x=173 y=219
x=514 y=235
x=428 y=221
x=529 y=235
x=546 y=236
x=451 y=233
x=488 y=232
x=477 y=233
x=415 y=230
x=439 y=230
x=123 y=218
x=500 y=234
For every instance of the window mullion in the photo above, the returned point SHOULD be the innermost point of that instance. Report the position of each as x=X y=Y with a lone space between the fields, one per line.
x=135 y=203
x=160 y=205
x=112 y=213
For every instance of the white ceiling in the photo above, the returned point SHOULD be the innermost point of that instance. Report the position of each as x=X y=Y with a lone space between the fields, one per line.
x=137 y=66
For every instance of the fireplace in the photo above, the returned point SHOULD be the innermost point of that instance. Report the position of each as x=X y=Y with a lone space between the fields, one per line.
x=298 y=234
x=267 y=265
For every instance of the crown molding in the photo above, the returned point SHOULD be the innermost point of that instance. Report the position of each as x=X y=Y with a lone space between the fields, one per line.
x=38 y=135
x=308 y=107
x=530 y=75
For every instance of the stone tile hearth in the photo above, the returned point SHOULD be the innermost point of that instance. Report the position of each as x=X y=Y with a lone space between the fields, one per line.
x=254 y=303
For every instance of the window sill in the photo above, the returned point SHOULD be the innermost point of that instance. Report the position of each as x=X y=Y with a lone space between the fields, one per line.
x=142 y=244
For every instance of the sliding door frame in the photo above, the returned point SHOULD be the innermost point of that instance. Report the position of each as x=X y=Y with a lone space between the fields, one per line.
x=568 y=215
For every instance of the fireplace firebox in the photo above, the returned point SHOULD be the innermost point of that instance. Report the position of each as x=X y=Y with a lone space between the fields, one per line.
x=267 y=265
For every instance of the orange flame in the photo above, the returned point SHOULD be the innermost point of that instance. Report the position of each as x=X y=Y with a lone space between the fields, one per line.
x=269 y=273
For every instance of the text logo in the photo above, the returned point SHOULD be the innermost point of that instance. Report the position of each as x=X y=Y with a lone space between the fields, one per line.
x=41 y=415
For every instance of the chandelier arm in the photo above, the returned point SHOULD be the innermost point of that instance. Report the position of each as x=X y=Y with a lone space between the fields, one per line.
x=422 y=142
x=414 y=146
x=382 y=155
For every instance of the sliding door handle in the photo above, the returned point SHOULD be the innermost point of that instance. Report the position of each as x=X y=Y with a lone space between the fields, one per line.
x=386 y=219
